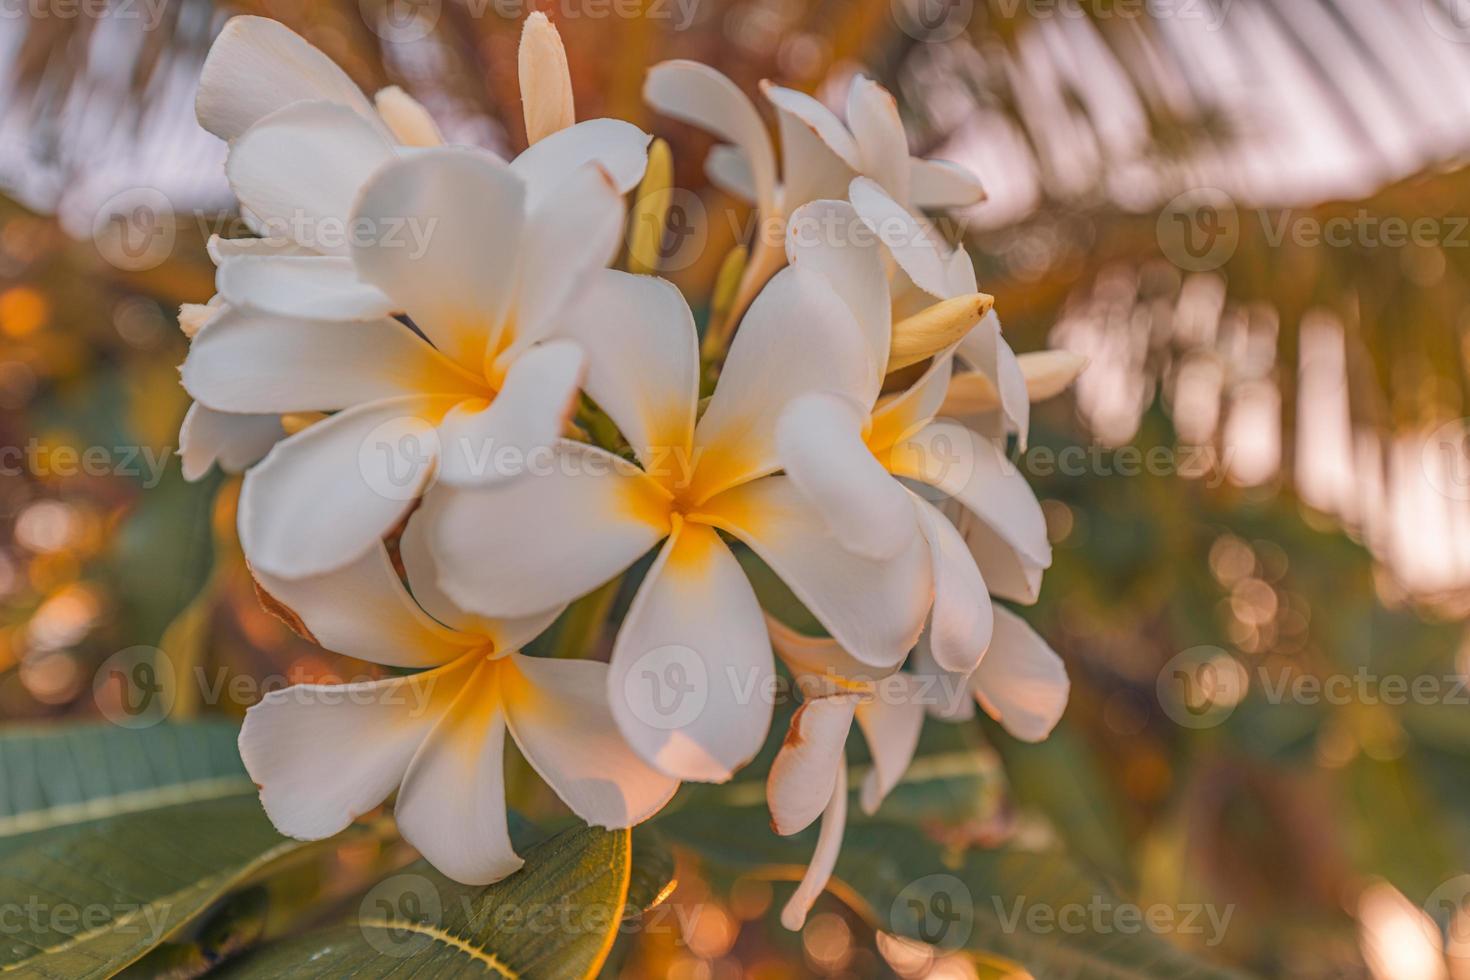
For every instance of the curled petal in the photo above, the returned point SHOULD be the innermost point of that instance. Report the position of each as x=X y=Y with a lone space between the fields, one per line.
x=824 y=858
x=234 y=441
x=804 y=773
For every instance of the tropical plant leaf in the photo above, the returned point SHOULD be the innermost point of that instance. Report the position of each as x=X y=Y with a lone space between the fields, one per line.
x=55 y=778
x=112 y=840
x=97 y=896
x=557 y=917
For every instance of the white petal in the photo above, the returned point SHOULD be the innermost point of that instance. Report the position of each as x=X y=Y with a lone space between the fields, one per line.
x=883 y=147
x=891 y=722
x=820 y=438
x=326 y=495
x=817 y=119
x=941 y=184
x=874 y=609
x=810 y=168
x=729 y=170
x=824 y=858
x=451 y=805
x=317 y=287
x=819 y=661
x=422 y=572
x=804 y=773
x=525 y=417
x=798 y=337
x=244 y=361
x=823 y=237
x=559 y=716
x=619 y=148
x=523 y=546
x=986 y=350
x=900 y=416
x=1008 y=573
x=914 y=246
x=699 y=95
x=406 y=118
x=444 y=233
x=324 y=754
x=234 y=441
x=692 y=669
x=568 y=238
x=961 y=621
x=363 y=611
x=257 y=66
x=977 y=473
x=1048 y=373
x=642 y=362
x=1021 y=683
x=298 y=170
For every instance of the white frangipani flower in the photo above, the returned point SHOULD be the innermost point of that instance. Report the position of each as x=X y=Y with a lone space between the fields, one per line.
x=808 y=778
x=848 y=456
x=480 y=370
x=820 y=155
x=587 y=515
x=1020 y=682
x=304 y=140
x=324 y=754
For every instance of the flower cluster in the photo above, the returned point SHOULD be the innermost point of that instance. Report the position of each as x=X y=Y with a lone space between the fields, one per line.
x=458 y=417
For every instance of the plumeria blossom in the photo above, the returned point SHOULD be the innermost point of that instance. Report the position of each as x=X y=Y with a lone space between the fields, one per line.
x=587 y=514
x=324 y=754
x=480 y=369
x=1020 y=682
x=853 y=455
x=820 y=154
x=304 y=141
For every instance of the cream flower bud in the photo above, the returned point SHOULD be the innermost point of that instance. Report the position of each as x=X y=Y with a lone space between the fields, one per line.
x=546 y=82
x=930 y=331
x=407 y=118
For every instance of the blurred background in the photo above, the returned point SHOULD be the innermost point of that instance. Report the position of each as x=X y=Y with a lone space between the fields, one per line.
x=1251 y=216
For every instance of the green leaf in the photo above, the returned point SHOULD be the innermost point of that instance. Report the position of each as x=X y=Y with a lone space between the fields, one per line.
x=60 y=777
x=557 y=917
x=95 y=897
x=114 y=839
